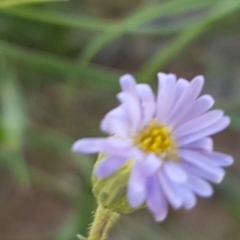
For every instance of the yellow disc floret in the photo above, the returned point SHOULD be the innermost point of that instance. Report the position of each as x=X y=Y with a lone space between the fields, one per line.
x=157 y=138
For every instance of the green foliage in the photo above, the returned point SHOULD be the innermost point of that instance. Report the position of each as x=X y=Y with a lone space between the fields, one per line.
x=13 y=124
x=64 y=49
x=10 y=3
x=162 y=57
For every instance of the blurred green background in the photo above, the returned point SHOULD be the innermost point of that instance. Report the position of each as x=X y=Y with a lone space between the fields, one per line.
x=59 y=67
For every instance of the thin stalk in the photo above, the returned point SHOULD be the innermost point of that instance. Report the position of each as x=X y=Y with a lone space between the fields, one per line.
x=103 y=221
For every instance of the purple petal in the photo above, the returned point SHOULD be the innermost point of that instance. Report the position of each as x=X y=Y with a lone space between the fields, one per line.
x=199 y=161
x=217 y=127
x=199 y=123
x=151 y=164
x=89 y=145
x=117 y=146
x=108 y=166
x=170 y=190
x=205 y=144
x=115 y=127
x=128 y=85
x=210 y=176
x=221 y=159
x=183 y=105
x=199 y=186
x=147 y=102
x=156 y=200
x=216 y=158
x=166 y=95
x=116 y=122
x=174 y=172
x=136 y=191
x=117 y=143
x=181 y=87
x=200 y=106
x=188 y=198
x=133 y=109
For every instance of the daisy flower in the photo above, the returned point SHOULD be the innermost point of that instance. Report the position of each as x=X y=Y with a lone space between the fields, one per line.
x=167 y=140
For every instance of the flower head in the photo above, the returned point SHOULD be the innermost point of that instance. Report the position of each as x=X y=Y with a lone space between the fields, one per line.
x=166 y=140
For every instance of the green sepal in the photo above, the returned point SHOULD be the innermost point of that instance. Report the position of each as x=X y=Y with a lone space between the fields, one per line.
x=111 y=192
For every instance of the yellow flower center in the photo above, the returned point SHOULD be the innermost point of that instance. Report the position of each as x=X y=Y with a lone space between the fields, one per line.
x=157 y=138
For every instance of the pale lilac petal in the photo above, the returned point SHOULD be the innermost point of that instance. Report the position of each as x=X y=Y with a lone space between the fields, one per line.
x=128 y=85
x=151 y=164
x=156 y=200
x=108 y=166
x=117 y=143
x=136 y=192
x=116 y=122
x=137 y=181
x=133 y=109
x=147 y=102
x=174 y=171
x=205 y=144
x=188 y=197
x=138 y=154
x=196 y=159
x=181 y=87
x=117 y=146
x=185 y=102
x=219 y=159
x=200 y=106
x=170 y=190
x=199 y=186
x=116 y=127
x=122 y=148
x=89 y=145
x=193 y=169
x=198 y=124
x=217 y=127
x=166 y=95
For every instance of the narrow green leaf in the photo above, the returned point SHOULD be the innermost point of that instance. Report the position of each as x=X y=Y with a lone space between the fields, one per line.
x=137 y=19
x=10 y=3
x=163 y=30
x=13 y=124
x=112 y=31
x=60 y=18
x=166 y=9
x=102 y=76
x=164 y=55
x=86 y=22
x=13 y=117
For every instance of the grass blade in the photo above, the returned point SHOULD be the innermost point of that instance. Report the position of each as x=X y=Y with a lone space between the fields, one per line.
x=136 y=20
x=10 y=3
x=163 y=56
x=13 y=117
x=13 y=121
x=98 y=75
x=59 y=18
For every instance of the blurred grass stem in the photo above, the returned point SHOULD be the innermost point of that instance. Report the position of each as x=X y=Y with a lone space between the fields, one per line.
x=166 y=54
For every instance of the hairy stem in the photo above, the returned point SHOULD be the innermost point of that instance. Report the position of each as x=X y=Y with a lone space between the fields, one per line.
x=103 y=221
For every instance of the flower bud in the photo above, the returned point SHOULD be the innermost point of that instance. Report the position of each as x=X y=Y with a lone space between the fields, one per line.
x=111 y=192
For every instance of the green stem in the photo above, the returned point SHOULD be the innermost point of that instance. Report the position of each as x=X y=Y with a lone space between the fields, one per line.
x=103 y=221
